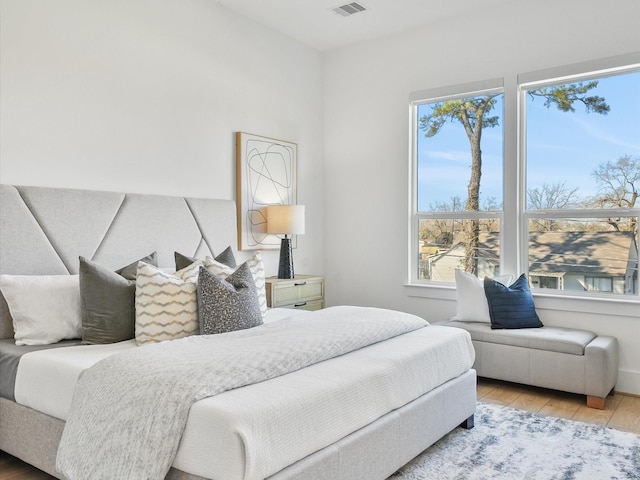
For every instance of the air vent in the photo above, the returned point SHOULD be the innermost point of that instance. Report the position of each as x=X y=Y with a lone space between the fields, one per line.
x=349 y=9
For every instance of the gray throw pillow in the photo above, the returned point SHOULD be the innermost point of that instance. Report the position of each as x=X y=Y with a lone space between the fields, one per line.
x=225 y=257
x=107 y=301
x=6 y=321
x=229 y=304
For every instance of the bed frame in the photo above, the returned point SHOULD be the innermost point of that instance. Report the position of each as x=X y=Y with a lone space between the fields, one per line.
x=44 y=230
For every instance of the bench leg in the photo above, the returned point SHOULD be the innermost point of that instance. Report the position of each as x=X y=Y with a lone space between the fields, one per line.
x=596 y=402
x=469 y=423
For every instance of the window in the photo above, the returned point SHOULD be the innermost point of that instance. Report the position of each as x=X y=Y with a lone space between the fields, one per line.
x=458 y=161
x=598 y=284
x=582 y=181
x=544 y=281
x=561 y=204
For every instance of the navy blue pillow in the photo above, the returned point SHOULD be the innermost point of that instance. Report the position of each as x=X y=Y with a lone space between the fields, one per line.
x=512 y=306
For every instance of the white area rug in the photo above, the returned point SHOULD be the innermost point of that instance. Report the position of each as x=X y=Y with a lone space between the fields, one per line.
x=513 y=444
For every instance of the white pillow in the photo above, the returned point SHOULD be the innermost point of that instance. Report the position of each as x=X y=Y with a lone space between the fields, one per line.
x=45 y=308
x=257 y=272
x=472 y=302
x=166 y=304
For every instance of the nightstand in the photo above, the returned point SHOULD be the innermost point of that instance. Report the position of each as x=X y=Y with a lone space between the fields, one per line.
x=305 y=292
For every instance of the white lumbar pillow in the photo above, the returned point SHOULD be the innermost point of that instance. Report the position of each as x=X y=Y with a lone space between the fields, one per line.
x=45 y=308
x=472 y=302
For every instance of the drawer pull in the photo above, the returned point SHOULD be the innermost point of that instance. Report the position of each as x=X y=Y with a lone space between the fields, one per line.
x=299 y=284
x=300 y=304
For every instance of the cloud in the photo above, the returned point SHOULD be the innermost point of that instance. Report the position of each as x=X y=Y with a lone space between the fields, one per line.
x=598 y=133
x=449 y=155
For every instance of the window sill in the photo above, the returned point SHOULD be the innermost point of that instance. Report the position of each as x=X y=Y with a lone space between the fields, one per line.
x=546 y=301
x=598 y=305
x=441 y=292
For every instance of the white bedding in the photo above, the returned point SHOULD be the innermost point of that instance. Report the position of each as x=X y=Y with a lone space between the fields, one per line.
x=45 y=382
x=271 y=420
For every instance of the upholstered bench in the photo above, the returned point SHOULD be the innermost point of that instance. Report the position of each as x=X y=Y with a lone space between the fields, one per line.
x=575 y=361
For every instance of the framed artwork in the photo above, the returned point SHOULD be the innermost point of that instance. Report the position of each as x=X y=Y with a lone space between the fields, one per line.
x=265 y=175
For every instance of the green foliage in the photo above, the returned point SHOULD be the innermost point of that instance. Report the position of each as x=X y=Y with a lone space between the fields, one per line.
x=564 y=97
x=470 y=112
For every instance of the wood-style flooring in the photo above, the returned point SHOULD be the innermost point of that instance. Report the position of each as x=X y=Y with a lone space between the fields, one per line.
x=622 y=412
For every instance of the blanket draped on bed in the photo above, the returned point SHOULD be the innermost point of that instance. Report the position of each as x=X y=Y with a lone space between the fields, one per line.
x=129 y=410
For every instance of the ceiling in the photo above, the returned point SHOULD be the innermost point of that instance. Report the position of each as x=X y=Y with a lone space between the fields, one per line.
x=314 y=23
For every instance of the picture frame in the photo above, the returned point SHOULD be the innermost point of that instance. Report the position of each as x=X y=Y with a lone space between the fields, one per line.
x=266 y=174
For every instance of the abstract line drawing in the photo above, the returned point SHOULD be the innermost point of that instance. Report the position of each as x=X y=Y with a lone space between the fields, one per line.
x=265 y=175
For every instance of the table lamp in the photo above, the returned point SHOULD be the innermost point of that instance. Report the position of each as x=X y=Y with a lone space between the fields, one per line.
x=285 y=220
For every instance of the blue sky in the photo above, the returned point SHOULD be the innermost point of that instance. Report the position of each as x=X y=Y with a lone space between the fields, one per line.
x=561 y=147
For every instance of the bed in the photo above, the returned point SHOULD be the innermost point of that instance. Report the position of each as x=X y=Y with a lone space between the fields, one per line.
x=361 y=413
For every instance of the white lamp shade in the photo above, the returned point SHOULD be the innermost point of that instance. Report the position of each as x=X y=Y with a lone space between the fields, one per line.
x=285 y=219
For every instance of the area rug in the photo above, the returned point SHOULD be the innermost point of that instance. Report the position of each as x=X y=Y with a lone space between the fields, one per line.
x=513 y=444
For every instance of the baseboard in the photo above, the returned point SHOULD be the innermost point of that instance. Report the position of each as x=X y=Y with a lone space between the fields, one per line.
x=628 y=382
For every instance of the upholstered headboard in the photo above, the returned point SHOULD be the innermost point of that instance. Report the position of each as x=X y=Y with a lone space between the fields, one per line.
x=44 y=230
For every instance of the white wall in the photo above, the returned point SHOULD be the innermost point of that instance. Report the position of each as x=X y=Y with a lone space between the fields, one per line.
x=145 y=96
x=366 y=92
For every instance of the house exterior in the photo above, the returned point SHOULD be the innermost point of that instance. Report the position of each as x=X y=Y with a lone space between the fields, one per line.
x=607 y=262
x=440 y=266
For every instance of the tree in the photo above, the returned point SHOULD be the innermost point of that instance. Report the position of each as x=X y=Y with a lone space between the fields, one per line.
x=619 y=183
x=440 y=231
x=564 y=96
x=474 y=114
x=548 y=197
x=443 y=232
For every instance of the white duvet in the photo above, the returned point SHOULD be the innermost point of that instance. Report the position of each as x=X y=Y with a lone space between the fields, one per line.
x=270 y=422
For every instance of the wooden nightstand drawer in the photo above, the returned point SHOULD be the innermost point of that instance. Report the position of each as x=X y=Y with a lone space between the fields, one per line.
x=296 y=292
x=303 y=291
x=311 y=305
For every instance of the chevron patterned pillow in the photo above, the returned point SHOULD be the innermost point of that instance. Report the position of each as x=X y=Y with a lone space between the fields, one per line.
x=257 y=272
x=166 y=304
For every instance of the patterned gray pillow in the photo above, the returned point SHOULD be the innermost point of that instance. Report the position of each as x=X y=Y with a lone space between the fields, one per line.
x=228 y=304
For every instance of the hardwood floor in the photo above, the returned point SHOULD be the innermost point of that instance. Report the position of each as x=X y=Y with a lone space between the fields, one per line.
x=622 y=412
x=13 y=469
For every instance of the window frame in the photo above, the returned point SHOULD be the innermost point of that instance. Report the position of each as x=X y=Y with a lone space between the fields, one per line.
x=514 y=217
x=433 y=96
x=550 y=77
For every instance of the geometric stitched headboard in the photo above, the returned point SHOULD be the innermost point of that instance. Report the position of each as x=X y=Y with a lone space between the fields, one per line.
x=44 y=230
